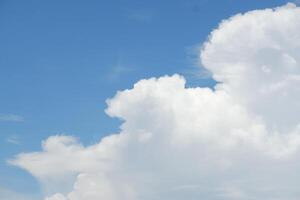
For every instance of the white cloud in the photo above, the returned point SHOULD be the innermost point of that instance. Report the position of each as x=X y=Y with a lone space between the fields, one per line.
x=13 y=140
x=11 y=118
x=118 y=71
x=239 y=141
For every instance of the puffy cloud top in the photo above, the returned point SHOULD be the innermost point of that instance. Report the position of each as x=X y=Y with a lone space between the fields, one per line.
x=256 y=56
x=238 y=141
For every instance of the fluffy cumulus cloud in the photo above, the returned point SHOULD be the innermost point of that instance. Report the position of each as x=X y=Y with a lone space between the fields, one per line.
x=240 y=140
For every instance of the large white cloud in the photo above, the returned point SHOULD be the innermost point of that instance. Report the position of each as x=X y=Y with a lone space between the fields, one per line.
x=238 y=141
x=256 y=57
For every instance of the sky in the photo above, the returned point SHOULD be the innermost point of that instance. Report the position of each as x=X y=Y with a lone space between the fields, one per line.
x=61 y=60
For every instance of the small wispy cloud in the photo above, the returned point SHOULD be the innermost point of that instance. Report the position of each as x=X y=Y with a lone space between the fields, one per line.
x=118 y=70
x=13 y=140
x=197 y=73
x=11 y=118
x=141 y=15
x=193 y=71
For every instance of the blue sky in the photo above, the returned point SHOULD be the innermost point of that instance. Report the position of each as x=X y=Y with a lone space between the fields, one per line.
x=60 y=61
